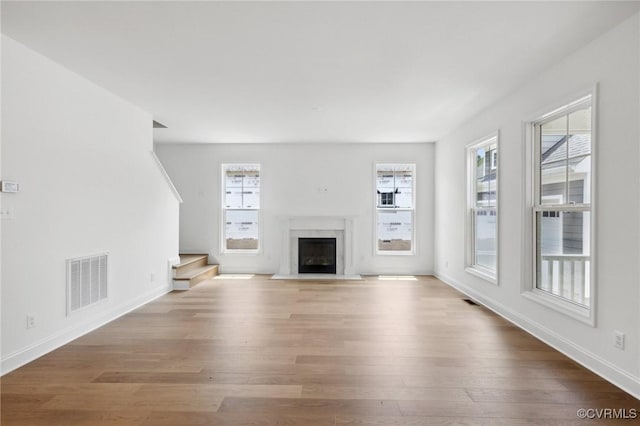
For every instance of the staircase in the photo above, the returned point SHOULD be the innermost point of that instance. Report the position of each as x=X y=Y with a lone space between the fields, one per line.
x=192 y=269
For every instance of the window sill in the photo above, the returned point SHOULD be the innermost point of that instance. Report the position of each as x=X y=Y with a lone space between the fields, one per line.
x=395 y=253
x=244 y=252
x=485 y=274
x=584 y=315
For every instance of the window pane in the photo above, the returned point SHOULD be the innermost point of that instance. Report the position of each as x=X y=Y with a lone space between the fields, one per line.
x=403 y=181
x=241 y=229
x=233 y=198
x=403 y=178
x=251 y=178
x=485 y=239
x=233 y=188
x=385 y=187
x=563 y=253
x=579 y=154
x=580 y=132
x=553 y=164
x=385 y=180
x=242 y=187
x=395 y=230
x=251 y=188
x=481 y=158
x=251 y=198
x=580 y=180
x=557 y=127
x=234 y=176
x=553 y=178
x=404 y=198
x=486 y=161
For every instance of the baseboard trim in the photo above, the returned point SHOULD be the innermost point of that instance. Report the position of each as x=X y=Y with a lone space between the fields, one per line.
x=37 y=349
x=598 y=365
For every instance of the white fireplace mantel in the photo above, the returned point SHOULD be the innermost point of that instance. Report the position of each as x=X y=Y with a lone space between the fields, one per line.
x=338 y=227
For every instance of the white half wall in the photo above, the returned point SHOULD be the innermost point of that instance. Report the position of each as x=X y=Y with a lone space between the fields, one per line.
x=299 y=180
x=611 y=61
x=88 y=185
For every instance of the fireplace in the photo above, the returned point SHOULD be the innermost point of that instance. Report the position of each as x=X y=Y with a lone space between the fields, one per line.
x=316 y=255
x=335 y=227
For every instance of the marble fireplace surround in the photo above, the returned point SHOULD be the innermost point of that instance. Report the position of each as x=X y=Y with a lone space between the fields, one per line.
x=338 y=227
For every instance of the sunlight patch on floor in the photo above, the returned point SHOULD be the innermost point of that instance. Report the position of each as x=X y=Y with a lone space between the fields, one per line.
x=397 y=278
x=233 y=277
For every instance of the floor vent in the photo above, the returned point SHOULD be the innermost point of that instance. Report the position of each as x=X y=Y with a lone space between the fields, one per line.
x=86 y=281
x=470 y=302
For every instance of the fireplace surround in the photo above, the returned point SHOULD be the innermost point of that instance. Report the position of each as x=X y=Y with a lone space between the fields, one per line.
x=338 y=227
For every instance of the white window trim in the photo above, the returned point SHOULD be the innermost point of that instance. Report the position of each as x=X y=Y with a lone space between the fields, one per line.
x=377 y=252
x=471 y=268
x=529 y=228
x=223 y=210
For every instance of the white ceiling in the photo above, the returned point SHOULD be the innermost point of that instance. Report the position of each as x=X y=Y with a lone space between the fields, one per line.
x=309 y=71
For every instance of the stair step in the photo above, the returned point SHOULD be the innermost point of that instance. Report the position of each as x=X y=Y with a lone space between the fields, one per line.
x=193 y=273
x=187 y=259
x=184 y=280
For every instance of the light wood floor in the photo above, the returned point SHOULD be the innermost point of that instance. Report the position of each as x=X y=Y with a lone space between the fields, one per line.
x=262 y=352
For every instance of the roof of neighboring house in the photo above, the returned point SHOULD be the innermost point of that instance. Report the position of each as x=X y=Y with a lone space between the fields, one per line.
x=554 y=147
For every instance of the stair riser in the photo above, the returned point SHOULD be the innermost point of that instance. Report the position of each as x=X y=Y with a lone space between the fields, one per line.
x=195 y=280
x=187 y=284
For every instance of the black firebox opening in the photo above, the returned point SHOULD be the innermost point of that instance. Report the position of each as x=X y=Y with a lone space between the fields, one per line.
x=316 y=255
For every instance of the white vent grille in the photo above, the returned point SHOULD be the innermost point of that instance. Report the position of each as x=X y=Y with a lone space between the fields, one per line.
x=86 y=281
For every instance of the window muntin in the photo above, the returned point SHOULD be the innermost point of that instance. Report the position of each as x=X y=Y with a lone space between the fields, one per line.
x=562 y=204
x=482 y=206
x=241 y=207
x=395 y=188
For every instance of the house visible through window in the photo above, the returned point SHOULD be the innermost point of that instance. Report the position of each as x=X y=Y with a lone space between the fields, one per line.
x=386 y=199
x=482 y=207
x=395 y=186
x=562 y=203
x=241 y=207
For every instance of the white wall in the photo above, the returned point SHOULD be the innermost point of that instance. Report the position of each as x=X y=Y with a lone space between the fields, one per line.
x=88 y=185
x=612 y=62
x=291 y=175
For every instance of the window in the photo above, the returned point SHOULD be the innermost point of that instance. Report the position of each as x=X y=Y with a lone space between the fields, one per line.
x=482 y=208
x=561 y=209
x=395 y=186
x=241 y=208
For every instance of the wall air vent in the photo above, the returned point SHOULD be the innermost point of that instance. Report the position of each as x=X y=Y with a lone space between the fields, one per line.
x=86 y=281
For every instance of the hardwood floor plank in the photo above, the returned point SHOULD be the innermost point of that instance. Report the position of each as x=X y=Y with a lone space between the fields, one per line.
x=129 y=417
x=308 y=406
x=483 y=382
x=592 y=399
x=462 y=421
x=267 y=353
x=384 y=393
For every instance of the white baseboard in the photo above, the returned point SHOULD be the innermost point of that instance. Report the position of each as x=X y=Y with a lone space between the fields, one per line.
x=600 y=366
x=403 y=273
x=43 y=346
x=194 y=251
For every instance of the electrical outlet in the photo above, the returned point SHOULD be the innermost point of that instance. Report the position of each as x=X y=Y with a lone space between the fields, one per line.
x=31 y=320
x=618 y=339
